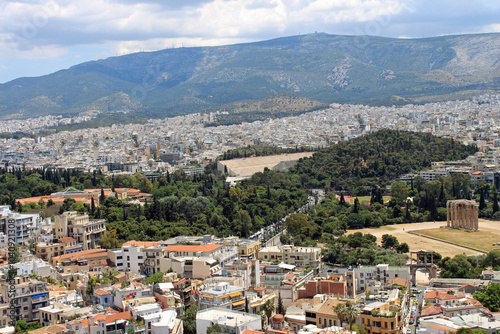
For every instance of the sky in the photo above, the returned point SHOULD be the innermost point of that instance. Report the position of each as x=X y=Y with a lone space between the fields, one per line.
x=39 y=37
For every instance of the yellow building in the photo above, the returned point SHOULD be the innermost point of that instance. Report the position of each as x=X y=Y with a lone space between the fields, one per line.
x=85 y=231
x=381 y=318
x=298 y=256
x=249 y=248
x=46 y=251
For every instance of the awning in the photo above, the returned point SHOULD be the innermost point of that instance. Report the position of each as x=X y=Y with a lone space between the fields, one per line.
x=239 y=302
x=207 y=296
x=235 y=294
x=225 y=296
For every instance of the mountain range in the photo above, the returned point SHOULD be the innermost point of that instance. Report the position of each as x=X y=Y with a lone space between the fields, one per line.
x=321 y=67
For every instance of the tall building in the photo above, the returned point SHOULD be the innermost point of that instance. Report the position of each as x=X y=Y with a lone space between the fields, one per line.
x=85 y=231
x=23 y=224
x=30 y=295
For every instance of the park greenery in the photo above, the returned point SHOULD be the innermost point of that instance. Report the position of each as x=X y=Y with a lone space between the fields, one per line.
x=199 y=204
x=365 y=162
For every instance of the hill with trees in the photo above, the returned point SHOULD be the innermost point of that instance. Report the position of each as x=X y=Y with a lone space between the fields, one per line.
x=373 y=160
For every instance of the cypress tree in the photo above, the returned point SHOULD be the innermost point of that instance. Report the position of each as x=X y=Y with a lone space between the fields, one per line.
x=482 y=203
x=357 y=206
x=342 y=199
x=495 y=202
x=102 y=197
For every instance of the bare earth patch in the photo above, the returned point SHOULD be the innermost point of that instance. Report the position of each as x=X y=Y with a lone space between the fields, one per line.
x=417 y=243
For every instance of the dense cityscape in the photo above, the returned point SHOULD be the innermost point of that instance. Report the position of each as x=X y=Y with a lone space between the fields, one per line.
x=70 y=273
x=185 y=140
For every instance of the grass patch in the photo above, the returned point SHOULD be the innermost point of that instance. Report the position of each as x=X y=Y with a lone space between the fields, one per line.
x=481 y=239
x=366 y=199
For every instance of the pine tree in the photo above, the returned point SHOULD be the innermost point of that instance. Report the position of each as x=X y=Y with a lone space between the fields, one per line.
x=92 y=205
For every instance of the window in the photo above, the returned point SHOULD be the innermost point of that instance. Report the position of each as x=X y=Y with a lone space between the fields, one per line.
x=319 y=321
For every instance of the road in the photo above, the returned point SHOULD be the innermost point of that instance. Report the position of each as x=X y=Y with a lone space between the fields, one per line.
x=278 y=228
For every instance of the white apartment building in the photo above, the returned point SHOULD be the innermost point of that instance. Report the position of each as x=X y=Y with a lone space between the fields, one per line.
x=223 y=296
x=167 y=324
x=133 y=291
x=231 y=321
x=23 y=224
x=294 y=255
x=381 y=273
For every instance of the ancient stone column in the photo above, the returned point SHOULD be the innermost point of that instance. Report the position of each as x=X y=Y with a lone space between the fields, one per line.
x=448 y=214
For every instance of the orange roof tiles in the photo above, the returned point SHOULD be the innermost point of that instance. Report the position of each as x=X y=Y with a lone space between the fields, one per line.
x=141 y=243
x=118 y=316
x=101 y=292
x=67 y=239
x=251 y=331
x=192 y=248
x=86 y=254
x=441 y=295
x=430 y=310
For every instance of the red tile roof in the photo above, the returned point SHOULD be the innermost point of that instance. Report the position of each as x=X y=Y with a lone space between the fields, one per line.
x=67 y=239
x=89 y=253
x=141 y=243
x=441 y=295
x=101 y=292
x=430 y=310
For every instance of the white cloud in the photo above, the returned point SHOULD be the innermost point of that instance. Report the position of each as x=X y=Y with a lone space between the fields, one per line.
x=493 y=28
x=46 y=28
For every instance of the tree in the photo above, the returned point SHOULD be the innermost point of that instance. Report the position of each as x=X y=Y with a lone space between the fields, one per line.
x=214 y=329
x=400 y=192
x=403 y=248
x=493 y=259
x=295 y=222
x=281 y=309
x=342 y=199
x=464 y=330
x=102 y=197
x=495 y=202
x=355 y=220
x=357 y=207
x=269 y=309
x=109 y=240
x=155 y=278
x=131 y=330
x=351 y=315
x=389 y=241
x=489 y=296
x=189 y=319
x=340 y=310
x=482 y=202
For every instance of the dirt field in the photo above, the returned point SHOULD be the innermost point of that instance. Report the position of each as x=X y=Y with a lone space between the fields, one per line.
x=249 y=166
x=418 y=243
x=480 y=239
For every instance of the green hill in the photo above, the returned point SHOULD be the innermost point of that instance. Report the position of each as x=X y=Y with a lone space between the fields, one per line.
x=378 y=158
x=321 y=67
